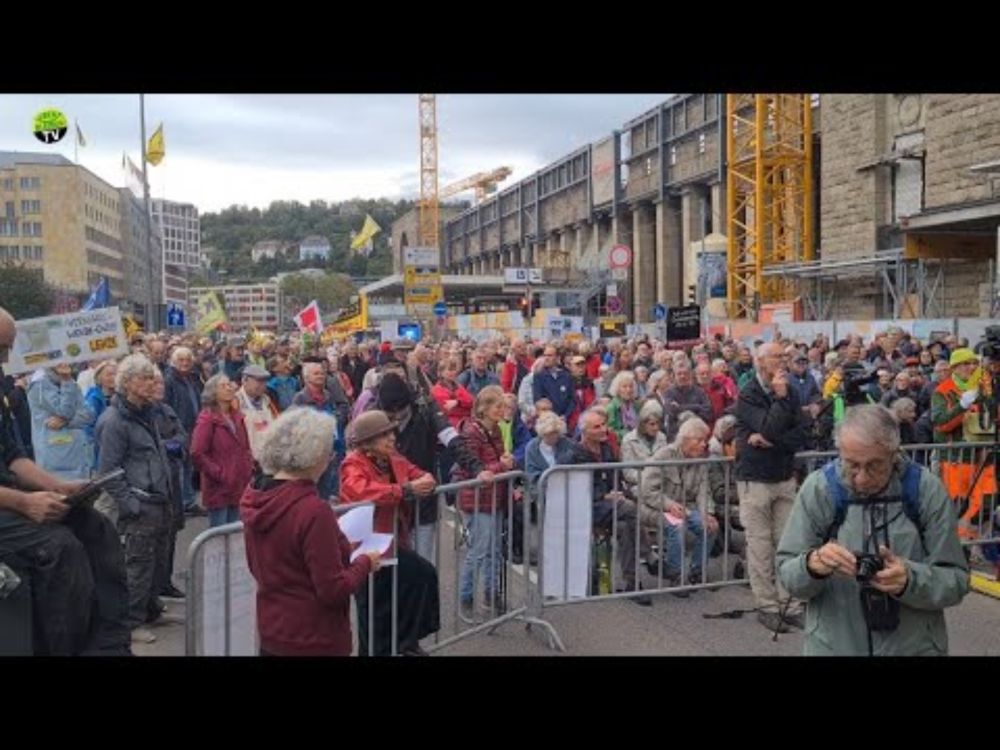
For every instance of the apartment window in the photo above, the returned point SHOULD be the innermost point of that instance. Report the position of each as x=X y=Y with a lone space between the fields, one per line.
x=31 y=207
x=15 y=252
x=38 y=252
x=31 y=183
x=3 y=252
x=9 y=210
x=8 y=228
x=8 y=183
x=25 y=183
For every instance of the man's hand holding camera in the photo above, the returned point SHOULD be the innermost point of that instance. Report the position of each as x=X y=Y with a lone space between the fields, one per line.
x=834 y=558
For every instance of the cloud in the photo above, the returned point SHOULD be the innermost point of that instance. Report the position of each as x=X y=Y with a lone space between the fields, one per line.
x=252 y=149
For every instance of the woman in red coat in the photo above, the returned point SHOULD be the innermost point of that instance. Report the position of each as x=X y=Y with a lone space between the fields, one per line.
x=455 y=401
x=297 y=553
x=220 y=451
x=374 y=472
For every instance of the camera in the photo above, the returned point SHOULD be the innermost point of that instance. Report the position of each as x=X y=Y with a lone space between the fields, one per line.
x=854 y=379
x=868 y=566
x=989 y=344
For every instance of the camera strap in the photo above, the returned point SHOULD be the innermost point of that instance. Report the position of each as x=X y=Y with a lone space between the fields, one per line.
x=839 y=494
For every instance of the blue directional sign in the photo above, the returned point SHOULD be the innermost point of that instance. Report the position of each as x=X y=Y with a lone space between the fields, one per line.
x=440 y=309
x=659 y=311
x=175 y=316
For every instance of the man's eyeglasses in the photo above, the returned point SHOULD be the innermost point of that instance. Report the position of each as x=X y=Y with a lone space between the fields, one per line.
x=871 y=468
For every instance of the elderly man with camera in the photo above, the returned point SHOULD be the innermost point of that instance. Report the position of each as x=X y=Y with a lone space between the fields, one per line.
x=872 y=547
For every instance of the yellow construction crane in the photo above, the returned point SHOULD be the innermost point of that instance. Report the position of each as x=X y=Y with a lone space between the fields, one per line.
x=769 y=195
x=428 y=172
x=483 y=182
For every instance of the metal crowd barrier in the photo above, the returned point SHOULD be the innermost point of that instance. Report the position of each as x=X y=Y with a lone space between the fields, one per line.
x=222 y=593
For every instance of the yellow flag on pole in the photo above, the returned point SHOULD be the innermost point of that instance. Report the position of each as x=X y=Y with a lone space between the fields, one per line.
x=156 y=149
x=369 y=230
x=210 y=313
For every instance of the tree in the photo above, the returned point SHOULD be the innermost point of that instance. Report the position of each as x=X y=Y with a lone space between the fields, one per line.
x=331 y=292
x=24 y=293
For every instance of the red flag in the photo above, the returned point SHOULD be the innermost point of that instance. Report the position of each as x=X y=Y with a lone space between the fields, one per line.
x=308 y=318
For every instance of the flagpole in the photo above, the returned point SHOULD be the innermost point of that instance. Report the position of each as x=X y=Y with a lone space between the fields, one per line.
x=76 y=142
x=151 y=297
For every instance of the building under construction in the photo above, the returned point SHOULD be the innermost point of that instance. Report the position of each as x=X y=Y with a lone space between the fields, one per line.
x=860 y=205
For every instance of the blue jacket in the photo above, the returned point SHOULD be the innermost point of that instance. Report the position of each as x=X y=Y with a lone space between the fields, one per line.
x=556 y=388
x=473 y=383
x=535 y=464
x=97 y=402
x=806 y=387
x=68 y=452
x=284 y=388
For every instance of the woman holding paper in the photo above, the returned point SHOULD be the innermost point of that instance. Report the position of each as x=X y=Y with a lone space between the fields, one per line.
x=296 y=551
x=374 y=471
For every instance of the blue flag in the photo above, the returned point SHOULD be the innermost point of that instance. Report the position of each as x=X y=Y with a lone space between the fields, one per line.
x=100 y=297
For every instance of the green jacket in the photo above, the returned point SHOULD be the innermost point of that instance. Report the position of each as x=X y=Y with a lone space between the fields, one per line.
x=938 y=572
x=615 y=420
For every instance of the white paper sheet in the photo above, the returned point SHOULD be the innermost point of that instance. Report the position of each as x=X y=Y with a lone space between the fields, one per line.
x=357 y=524
x=375 y=543
x=566 y=540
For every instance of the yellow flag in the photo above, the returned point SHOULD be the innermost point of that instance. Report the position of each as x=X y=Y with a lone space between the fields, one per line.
x=156 y=149
x=210 y=313
x=131 y=327
x=369 y=230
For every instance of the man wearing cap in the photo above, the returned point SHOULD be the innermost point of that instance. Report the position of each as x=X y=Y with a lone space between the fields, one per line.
x=258 y=410
x=956 y=407
x=421 y=431
x=232 y=363
x=554 y=383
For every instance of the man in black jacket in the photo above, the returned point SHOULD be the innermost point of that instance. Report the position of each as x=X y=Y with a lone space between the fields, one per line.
x=422 y=432
x=69 y=560
x=183 y=395
x=770 y=428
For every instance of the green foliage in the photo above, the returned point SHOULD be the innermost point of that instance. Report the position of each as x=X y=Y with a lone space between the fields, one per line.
x=24 y=293
x=233 y=232
x=331 y=292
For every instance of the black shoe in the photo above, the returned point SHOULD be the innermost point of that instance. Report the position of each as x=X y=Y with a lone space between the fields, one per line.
x=414 y=650
x=172 y=592
x=672 y=581
x=772 y=621
x=195 y=511
x=798 y=620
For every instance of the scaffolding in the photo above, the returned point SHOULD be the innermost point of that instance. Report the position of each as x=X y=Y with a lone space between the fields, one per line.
x=769 y=195
x=910 y=288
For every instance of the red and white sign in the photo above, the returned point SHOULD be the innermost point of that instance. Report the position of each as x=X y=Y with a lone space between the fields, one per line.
x=620 y=256
x=308 y=318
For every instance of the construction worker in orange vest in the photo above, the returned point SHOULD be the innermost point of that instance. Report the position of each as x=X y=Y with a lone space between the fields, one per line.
x=956 y=410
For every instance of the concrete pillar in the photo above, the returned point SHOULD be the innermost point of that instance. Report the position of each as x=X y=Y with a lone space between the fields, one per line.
x=691 y=230
x=643 y=262
x=578 y=243
x=669 y=255
x=719 y=218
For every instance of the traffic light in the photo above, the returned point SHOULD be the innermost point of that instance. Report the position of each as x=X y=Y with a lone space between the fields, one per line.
x=692 y=294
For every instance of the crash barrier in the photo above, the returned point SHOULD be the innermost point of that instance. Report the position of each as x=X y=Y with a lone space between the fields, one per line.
x=222 y=593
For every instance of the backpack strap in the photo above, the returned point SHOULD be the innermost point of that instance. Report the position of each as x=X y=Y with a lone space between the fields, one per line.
x=911 y=495
x=838 y=494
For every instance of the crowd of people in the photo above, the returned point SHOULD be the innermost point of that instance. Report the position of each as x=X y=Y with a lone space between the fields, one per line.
x=268 y=429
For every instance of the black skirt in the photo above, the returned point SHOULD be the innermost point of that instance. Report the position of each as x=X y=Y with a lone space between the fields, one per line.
x=418 y=611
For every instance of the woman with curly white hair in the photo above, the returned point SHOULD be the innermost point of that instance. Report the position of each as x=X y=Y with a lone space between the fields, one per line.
x=297 y=553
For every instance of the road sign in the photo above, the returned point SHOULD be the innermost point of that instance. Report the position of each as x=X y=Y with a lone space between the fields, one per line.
x=659 y=311
x=175 y=316
x=522 y=276
x=612 y=290
x=421 y=257
x=619 y=274
x=614 y=305
x=440 y=309
x=620 y=256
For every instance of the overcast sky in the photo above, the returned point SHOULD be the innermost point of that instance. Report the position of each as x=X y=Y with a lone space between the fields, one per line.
x=253 y=149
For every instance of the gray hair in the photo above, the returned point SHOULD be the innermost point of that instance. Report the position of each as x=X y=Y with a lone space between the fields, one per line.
x=654 y=379
x=620 y=379
x=306 y=368
x=901 y=405
x=873 y=425
x=180 y=351
x=133 y=366
x=210 y=393
x=651 y=408
x=550 y=422
x=370 y=380
x=723 y=425
x=297 y=440
x=690 y=427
